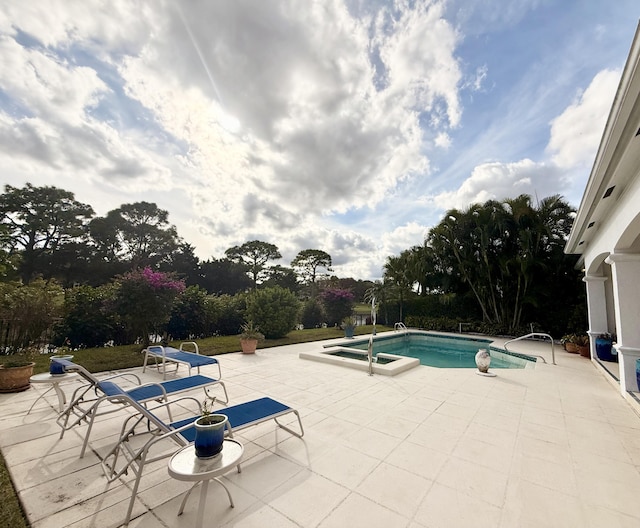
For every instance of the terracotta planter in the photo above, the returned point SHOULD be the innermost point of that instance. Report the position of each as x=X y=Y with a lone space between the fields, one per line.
x=584 y=351
x=15 y=379
x=249 y=345
x=570 y=347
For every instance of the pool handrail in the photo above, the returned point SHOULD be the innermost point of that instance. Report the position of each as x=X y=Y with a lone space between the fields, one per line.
x=535 y=334
x=400 y=326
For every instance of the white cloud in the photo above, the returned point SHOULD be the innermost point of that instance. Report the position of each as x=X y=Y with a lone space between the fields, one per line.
x=46 y=86
x=117 y=25
x=574 y=138
x=316 y=135
x=497 y=181
x=419 y=55
x=576 y=133
x=305 y=124
x=443 y=140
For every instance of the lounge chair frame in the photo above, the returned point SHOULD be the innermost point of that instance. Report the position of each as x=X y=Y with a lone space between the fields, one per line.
x=86 y=400
x=125 y=456
x=163 y=355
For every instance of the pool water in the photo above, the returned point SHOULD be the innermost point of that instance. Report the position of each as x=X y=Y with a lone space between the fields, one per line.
x=442 y=351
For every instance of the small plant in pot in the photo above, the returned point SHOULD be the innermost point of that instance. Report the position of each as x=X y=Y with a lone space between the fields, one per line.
x=210 y=428
x=349 y=326
x=569 y=342
x=582 y=342
x=604 y=347
x=250 y=335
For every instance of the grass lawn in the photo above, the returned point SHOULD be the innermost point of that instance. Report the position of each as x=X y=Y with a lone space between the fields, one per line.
x=127 y=356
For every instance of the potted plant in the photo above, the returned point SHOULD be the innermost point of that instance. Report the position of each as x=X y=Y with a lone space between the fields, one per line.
x=582 y=342
x=16 y=371
x=209 y=431
x=569 y=342
x=349 y=326
x=604 y=345
x=249 y=337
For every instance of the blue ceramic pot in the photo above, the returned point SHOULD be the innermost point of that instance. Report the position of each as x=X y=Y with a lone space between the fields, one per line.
x=603 y=350
x=210 y=435
x=348 y=331
x=55 y=368
x=638 y=373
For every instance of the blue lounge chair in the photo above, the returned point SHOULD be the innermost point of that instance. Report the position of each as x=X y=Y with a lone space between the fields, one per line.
x=131 y=455
x=245 y=415
x=84 y=405
x=163 y=355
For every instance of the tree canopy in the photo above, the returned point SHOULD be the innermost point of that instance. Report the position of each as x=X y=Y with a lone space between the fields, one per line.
x=139 y=233
x=39 y=221
x=255 y=255
x=308 y=261
x=498 y=250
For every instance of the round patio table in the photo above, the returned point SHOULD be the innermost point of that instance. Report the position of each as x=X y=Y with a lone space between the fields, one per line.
x=185 y=465
x=55 y=381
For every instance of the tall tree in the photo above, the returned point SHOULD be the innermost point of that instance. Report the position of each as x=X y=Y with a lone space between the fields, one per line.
x=308 y=262
x=283 y=277
x=223 y=277
x=139 y=233
x=40 y=220
x=255 y=255
x=499 y=249
x=397 y=273
x=184 y=262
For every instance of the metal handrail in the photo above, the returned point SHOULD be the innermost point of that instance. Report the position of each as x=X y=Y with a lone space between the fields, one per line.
x=535 y=334
x=399 y=326
x=370 y=355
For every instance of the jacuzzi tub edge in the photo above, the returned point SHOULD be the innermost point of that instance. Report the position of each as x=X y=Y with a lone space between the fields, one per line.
x=398 y=365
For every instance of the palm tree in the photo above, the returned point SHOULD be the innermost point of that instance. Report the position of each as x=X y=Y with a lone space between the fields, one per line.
x=396 y=273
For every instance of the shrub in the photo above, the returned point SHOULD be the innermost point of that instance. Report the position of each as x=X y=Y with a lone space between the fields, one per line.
x=189 y=315
x=274 y=310
x=312 y=314
x=225 y=314
x=144 y=301
x=27 y=313
x=88 y=318
x=338 y=304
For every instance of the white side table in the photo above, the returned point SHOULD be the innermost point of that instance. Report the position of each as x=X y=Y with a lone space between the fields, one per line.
x=55 y=381
x=185 y=465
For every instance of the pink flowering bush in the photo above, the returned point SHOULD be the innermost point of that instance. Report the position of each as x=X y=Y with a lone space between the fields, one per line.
x=159 y=280
x=338 y=304
x=144 y=301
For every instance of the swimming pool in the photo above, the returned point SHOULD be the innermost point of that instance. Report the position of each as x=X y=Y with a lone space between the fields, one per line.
x=435 y=350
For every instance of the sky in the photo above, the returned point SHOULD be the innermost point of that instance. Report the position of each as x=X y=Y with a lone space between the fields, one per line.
x=349 y=126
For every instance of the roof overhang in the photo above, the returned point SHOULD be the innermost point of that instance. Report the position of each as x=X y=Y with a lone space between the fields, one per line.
x=617 y=159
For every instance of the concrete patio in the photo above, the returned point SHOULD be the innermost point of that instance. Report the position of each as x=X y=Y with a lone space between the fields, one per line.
x=554 y=446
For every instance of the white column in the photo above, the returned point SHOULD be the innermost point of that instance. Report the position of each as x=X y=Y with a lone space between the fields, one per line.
x=626 y=295
x=596 y=308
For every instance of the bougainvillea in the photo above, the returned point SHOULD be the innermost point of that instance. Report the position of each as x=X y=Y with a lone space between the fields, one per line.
x=144 y=301
x=338 y=304
x=159 y=280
